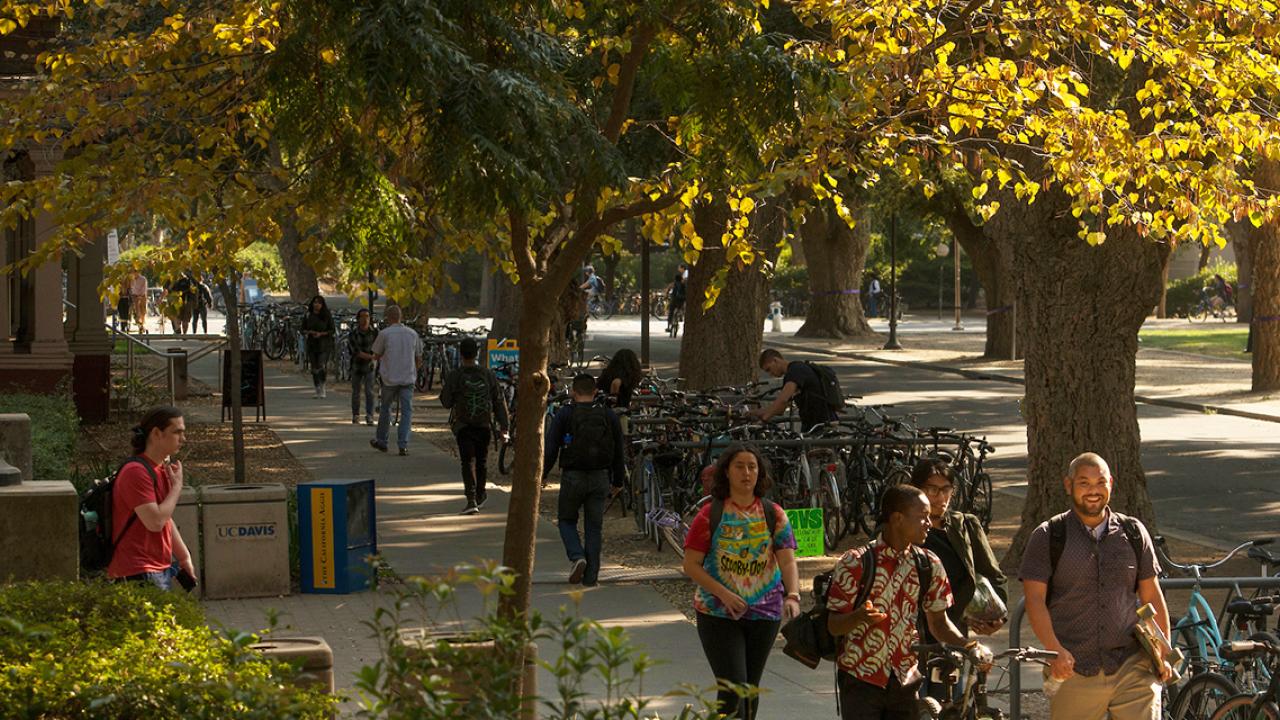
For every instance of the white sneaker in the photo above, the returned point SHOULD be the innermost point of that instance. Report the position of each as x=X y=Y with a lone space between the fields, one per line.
x=321 y=389
x=576 y=571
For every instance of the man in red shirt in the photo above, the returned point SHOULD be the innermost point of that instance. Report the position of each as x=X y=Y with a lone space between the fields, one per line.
x=879 y=674
x=143 y=499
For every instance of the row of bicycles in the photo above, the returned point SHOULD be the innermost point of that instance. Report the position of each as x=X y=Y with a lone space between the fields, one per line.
x=275 y=328
x=841 y=467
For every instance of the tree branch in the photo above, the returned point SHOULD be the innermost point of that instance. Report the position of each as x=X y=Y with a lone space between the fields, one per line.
x=520 y=246
x=644 y=35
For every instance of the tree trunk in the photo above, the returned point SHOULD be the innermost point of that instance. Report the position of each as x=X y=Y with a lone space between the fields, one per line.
x=537 y=315
x=993 y=268
x=1203 y=262
x=1266 y=289
x=838 y=255
x=1079 y=311
x=301 y=277
x=506 y=309
x=721 y=345
x=231 y=298
x=1242 y=235
x=611 y=276
x=1162 y=309
x=488 y=288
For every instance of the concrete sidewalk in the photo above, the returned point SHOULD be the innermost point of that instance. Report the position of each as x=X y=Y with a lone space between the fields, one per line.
x=420 y=532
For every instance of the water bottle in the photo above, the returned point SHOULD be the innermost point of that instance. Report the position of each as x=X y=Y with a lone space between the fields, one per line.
x=90 y=520
x=1051 y=684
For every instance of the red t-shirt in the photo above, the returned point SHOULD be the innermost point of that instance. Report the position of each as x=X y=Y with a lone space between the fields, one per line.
x=139 y=550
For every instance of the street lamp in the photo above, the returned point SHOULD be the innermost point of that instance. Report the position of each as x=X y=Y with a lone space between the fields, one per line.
x=892 y=343
x=941 y=250
x=956 y=254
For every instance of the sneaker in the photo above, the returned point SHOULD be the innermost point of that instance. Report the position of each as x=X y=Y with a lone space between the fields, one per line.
x=368 y=419
x=470 y=509
x=322 y=390
x=377 y=445
x=594 y=583
x=404 y=451
x=481 y=498
x=355 y=419
x=577 y=570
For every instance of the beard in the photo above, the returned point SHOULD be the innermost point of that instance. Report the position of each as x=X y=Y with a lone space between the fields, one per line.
x=1090 y=508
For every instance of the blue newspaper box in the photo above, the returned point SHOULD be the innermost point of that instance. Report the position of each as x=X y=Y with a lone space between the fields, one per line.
x=337 y=534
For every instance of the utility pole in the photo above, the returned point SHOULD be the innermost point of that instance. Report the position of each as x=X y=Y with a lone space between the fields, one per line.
x=892 y=343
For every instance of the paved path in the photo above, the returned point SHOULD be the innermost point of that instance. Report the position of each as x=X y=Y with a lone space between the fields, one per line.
x=420 y=532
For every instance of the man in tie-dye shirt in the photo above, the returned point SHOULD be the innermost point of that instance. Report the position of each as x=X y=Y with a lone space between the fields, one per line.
x=879 y=676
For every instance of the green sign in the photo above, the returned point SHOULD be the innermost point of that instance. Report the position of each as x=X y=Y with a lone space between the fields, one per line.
x=806 y=523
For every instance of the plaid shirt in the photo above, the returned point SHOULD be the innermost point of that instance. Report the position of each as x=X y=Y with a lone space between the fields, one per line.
x=871 y=653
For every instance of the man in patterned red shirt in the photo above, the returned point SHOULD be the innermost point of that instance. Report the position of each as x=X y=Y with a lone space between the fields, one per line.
x=879 y=677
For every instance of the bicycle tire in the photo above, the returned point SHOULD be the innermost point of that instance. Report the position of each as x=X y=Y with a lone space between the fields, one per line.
x=1197 y=698
x=866 y=505
x=1199 y=313
x=833 y=523
x=1246 y=707
x=273 y=345
x=639 y=478
x=506 y=457
x=979 y=498
x=654 y=496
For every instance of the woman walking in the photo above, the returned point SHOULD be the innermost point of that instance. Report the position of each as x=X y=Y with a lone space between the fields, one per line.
x=740 y=551
x=318 y=329
x=620 y=377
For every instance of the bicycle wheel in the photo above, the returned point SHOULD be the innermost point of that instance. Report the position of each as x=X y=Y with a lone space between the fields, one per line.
x=833 y=523
x=979 y=498
x=1246 y=707
x=653 y=494
x=866 y=505
x=1199 y=313
x=639 y=490
x=506 y=457
x=274 y=345
x=1200 y=695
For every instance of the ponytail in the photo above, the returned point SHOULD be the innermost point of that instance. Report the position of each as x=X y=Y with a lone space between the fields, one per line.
x=156 y=418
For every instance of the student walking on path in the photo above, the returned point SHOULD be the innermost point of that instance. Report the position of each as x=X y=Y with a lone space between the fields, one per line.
x=319 y=330
x=740 y=551
x=360 y=342
x=587 y=440
x=1084 y=574
x=475 y=402
x=398 y=350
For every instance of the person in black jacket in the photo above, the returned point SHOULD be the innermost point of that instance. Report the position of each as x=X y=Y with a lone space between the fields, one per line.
x=800 y=382
x=318 y=329
x=360 y=341
x=587 y=440
x=619 y=379
x=475 y=402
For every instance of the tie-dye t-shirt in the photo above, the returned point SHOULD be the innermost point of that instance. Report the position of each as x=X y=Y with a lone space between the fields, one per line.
x=742 y=559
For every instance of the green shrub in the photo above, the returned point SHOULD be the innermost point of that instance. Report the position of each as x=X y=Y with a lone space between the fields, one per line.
x=106 y=651
x=1185 y=293
x=54 y=426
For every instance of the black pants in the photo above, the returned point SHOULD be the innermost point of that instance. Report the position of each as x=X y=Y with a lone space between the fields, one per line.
x=863 y=701
x=737 y=651
x=473 y=448
x=317 y=359
x=201 y=317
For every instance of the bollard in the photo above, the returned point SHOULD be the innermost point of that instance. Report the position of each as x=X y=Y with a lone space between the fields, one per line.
x=177 y=373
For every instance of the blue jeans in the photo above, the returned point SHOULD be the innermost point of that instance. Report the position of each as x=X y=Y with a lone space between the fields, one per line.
x=359 y=380
x=162 y=579
x=390 y=393
x=585 y=490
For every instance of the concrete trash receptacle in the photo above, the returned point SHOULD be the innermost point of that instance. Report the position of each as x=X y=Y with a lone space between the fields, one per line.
x=186 y=517
x=246 y=540
x=311 y=655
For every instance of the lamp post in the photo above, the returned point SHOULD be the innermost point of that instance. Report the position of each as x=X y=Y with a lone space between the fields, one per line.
x=955 y=253
x=892 y=343
x=942 y=250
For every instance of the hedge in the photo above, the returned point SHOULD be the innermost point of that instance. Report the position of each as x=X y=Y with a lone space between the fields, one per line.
x=125 y=650
x=1183 y=294
x=54 y=426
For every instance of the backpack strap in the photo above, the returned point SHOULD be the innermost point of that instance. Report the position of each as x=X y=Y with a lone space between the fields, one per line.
x=924 y=572
x=717 y=512
x=1057 y=542
x=155 y=485
x=1134 y=535
x=868 y=560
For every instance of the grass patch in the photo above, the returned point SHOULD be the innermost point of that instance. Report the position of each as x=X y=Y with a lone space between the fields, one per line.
x=1221 y=339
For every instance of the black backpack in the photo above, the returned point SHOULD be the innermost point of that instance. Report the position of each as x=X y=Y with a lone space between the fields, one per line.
x=832 y=394
x=96 y=542
x=808 y=639
x=1058 y=542
x=589 y=440
x=473 y=406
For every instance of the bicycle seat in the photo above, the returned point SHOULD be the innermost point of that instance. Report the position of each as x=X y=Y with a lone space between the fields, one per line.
x=1262 y=554
x=1245 y=607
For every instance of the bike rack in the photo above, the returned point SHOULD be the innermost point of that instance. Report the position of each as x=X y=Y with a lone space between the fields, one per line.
x=1015 y=621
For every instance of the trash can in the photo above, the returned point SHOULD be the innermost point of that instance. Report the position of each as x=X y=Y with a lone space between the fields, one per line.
x=246 y=540
x=186 y=517
x=311 y=655
x=337 y=535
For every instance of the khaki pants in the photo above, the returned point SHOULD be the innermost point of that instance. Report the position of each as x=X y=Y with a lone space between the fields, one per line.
x=1132 y=693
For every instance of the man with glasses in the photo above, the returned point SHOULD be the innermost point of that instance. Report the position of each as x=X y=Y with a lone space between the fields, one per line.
x=961 y=544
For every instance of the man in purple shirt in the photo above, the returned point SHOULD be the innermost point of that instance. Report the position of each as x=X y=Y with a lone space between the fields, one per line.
x=1084 y=606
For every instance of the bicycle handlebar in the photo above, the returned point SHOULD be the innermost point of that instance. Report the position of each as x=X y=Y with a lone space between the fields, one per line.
x=1196 y=568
